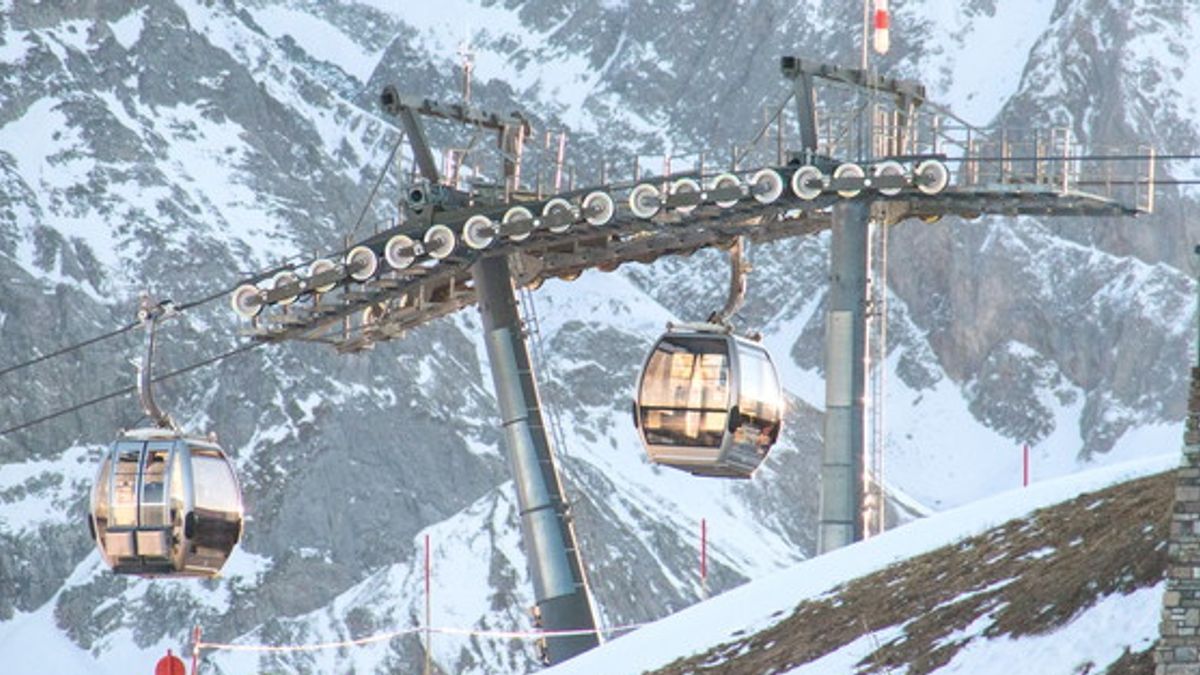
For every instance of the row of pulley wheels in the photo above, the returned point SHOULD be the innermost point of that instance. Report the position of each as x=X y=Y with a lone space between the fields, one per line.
x=597 y=208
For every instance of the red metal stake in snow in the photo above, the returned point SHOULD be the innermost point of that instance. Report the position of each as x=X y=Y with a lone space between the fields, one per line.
x=1025 y=465
x=195 y=650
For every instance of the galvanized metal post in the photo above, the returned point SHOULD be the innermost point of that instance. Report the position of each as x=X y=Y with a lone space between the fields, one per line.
x=560 y=588
x=845 y=379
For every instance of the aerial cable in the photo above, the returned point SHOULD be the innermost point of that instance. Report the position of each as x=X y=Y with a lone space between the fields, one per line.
x=383 y=637
x=129 y=390
x=128 y=327
x=67 y=350
x=949 y=113
x=1074 y=158
x=763 y=129
x=206 y=299
x=375 y=188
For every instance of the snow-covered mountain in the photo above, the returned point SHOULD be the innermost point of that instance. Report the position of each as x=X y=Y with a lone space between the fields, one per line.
x=176 y=146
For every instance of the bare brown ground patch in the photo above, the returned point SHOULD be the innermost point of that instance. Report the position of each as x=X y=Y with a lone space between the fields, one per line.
x=1133 y=663
x=1030 y=575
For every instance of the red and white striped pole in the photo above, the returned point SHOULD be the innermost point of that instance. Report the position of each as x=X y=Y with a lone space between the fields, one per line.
x=883 y=24
x=196 y=649
x=1025 y=465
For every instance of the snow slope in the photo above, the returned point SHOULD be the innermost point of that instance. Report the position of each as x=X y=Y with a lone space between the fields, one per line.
x=1112 y=624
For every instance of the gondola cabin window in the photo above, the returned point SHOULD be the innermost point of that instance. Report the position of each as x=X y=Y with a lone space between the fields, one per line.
x=685 y=394
x=154 y=483
x=758 y=399
x=124 y=503
x=216 y=488
x=101 y=494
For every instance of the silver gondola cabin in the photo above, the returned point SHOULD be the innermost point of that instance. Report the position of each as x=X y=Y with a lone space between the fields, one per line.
x=708 y=402
x=164 y=503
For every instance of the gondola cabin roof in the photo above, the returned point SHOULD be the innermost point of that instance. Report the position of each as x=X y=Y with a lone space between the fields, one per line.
x=160 y=434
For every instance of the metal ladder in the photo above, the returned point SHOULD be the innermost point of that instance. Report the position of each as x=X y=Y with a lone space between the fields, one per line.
x=533 y=330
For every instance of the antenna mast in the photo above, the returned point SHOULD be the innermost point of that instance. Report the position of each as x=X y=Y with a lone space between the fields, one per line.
x=468 y=66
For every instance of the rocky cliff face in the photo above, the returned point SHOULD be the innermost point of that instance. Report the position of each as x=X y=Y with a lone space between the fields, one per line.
x=176 y=146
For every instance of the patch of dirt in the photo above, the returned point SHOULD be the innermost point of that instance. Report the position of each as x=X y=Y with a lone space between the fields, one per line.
x=1133 y=663
x=1029 y=576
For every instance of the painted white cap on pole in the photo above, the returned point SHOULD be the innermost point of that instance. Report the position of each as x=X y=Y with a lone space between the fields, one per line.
x=883 y=23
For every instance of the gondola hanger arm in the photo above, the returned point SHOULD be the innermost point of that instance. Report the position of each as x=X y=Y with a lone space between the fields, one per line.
x=150 y=313
x=739 y=269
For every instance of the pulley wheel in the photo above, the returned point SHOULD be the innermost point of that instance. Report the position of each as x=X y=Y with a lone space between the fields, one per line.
x=400 y=252
x=598 y=208
x=559 y=208
x=802 y=183
x=722 y=182
x=644 y=201
x=286 y=279
x=890 y=169
x=516 y=214
x=362 y=263
x=766 y=185
x=479 y=232
x=439 y=242
x=246 y=301
x=849 y=170
x=685 y=186
x=321 y=266
x=932 y=176
x=373 y=313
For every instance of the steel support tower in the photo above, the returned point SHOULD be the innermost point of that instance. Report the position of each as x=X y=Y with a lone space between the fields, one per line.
x=845 y=379
x=563 y=602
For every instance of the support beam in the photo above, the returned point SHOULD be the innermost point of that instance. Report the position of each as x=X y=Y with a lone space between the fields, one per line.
x=806 y=115
x=560 y=588
x=845 y=378
x=794 y=67
x=511 y=127
x=420 y=145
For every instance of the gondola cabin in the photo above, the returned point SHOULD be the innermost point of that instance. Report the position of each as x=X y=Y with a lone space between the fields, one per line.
x=165 y=504
x=709 y=403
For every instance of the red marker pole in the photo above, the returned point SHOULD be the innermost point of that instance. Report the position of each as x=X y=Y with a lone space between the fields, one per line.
x=196 y=650
x=704 y=557
x=1025 y=465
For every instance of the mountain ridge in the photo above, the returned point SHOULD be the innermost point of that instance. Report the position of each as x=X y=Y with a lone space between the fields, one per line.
x=191 y=142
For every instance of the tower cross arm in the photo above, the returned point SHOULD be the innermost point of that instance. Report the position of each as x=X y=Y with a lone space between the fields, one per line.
x=794 y=67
